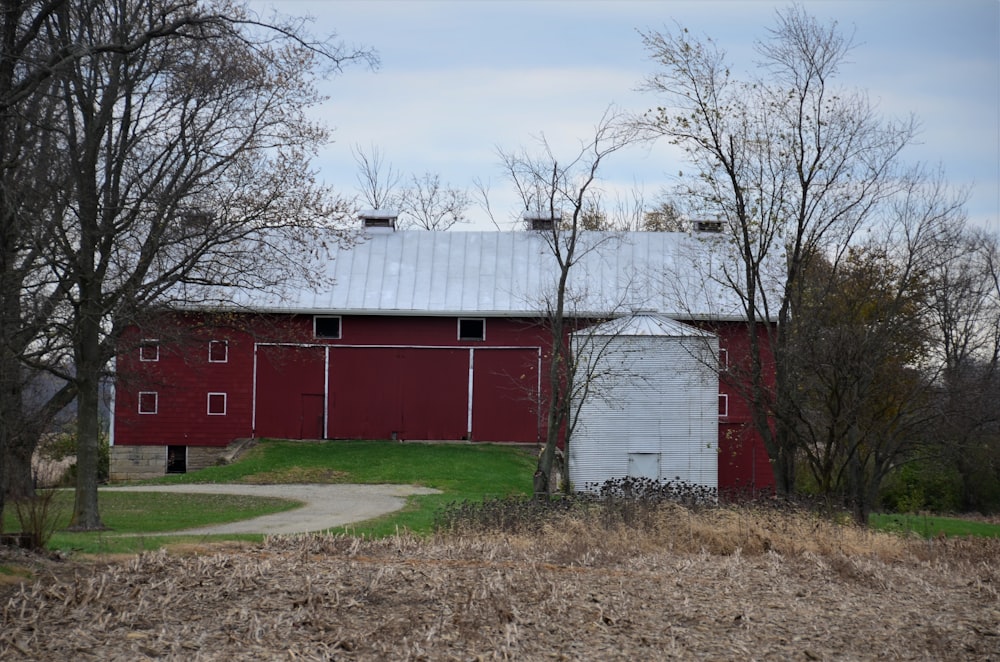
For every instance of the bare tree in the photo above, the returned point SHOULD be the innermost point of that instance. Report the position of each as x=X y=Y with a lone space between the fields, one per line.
x=562 y=194
x=33 y=189
x=31 y=179
x=378 y=180
x=427 y=204
x=186 y=161
x=791 y=165
x=965 y=312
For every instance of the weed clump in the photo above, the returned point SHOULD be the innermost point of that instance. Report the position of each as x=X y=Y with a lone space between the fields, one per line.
x=627 y=501
x=635 y=513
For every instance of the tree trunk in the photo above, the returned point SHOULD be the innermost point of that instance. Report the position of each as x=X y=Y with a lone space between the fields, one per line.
x=86 y=516
x=18 y=436
x=19 y=476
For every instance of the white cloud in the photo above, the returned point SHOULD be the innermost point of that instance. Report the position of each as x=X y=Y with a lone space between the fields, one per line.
x=461 y=78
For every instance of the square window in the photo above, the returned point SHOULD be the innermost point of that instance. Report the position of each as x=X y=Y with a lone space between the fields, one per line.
x=218 y=351
x=723 y=405
x=326 y=327
x=148 y=402
x=472 y=329
x=216 y=404
x=149 y=350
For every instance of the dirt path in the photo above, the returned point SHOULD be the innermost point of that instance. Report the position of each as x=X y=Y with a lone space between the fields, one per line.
x=325 y=506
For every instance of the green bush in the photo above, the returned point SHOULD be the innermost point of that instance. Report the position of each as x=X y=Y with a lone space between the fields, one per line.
x=922 y=486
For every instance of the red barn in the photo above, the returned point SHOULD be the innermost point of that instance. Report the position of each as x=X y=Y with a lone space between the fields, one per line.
x=417 y=336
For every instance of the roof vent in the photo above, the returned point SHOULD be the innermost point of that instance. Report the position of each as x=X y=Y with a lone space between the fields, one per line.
x=714 y=225
x=542 y=221
x=379 y=218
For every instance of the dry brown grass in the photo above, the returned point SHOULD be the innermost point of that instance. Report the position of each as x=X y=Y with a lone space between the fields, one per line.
x=716 y=584
x=296 y=475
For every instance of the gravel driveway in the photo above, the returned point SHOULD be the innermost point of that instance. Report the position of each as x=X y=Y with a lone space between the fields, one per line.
x=325 y=506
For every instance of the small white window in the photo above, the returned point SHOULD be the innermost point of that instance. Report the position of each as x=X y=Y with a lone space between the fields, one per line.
x=148 y=402
x=723 y=405
x=216 y=404
x=218 y=351
x=472 y=329
x=326 y=326
x=723 y=359
x=149 y=350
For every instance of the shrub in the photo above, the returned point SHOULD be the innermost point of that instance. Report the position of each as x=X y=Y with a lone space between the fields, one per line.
x=920 y=486
x=630 y=501
x=626 y=515
x=63 y=445
x=38 y=517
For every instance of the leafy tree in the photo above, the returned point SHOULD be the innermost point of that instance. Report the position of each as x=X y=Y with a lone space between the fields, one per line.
x=863 y=400
x=665 y=217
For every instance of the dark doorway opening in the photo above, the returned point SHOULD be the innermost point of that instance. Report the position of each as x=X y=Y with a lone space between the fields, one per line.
x=176 y=459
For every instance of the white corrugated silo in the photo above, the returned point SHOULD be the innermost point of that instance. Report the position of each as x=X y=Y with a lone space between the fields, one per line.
x=651 y=407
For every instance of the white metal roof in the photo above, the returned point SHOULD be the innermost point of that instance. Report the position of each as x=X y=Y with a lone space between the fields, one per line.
x=512 y=274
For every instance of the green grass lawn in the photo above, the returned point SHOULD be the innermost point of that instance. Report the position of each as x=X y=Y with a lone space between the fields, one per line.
x=132 y=518
x=139 y=520
x=466 y=469
x=463 y=472
x=930 y=526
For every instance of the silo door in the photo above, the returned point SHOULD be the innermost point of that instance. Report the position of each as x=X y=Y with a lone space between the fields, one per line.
x=644 y=465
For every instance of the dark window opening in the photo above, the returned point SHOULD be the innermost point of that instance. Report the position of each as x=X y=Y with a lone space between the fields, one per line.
x=149 y=350
x=218 y=351
x=176 y=459
x=217 y=404
x=472 y=329
x=326 y=327
x=148 y=402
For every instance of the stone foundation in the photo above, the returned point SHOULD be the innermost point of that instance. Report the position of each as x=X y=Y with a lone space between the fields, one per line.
x=140 y=462
x=137 y=462
x=199 y=457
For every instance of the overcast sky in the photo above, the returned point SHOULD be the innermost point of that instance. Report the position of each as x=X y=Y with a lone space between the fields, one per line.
x=461 y=79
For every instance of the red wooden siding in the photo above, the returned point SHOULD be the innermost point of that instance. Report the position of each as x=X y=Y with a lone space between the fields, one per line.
x=385 y=375
x=290 y=390
x=506 y=395
x=399 y=392
x=182 y=377
x=744 y=466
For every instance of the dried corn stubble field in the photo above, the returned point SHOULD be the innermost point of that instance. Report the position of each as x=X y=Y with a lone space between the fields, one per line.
x=715 y=585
